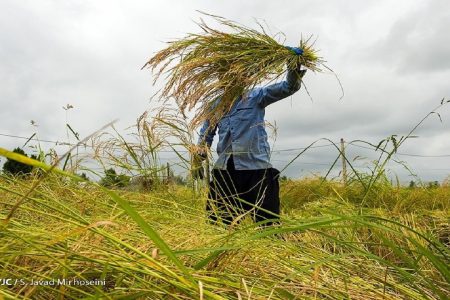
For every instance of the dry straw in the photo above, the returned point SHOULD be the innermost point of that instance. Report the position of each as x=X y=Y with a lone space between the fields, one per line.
x=214 y=64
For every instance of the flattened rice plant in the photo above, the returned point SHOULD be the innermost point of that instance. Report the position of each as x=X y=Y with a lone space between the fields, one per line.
x=216 y=64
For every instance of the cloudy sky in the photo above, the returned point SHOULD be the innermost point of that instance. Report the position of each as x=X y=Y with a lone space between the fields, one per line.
x=392 y=57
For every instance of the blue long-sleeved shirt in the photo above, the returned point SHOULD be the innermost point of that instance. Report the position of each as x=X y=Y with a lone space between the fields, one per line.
x=242 y=132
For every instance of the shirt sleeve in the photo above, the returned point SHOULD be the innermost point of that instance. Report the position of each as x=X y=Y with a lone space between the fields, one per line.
x=277 y=91
x=206 y=134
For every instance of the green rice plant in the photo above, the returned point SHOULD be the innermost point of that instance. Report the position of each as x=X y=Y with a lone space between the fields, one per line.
x=136 y=155
x=169 y=122
x=323 y=250
x=159 y=245
x=205 y=66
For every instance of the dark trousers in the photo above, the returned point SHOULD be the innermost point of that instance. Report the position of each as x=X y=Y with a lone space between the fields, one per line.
x=233 y=193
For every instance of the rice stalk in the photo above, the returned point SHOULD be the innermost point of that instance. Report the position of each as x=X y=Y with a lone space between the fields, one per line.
x=202 y=67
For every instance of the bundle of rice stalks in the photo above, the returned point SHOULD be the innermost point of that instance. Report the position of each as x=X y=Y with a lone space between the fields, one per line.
x=216 y=64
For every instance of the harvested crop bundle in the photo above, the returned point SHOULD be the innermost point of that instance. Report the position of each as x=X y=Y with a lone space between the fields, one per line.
x=215 y=64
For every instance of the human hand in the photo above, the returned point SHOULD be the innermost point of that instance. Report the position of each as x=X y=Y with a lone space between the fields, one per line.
x=296 y=50
x=199 y=154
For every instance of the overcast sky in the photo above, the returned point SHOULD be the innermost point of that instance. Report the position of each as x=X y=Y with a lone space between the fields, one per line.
x=392 y=57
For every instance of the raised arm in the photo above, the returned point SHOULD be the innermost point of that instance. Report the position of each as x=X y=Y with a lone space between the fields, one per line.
x=275 y=92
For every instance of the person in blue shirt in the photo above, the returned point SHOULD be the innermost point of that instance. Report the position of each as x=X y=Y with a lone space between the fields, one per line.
x=243 y=180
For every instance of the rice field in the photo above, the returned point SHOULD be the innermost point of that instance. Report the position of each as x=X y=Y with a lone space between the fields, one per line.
x=78 y=240
x=65 y=237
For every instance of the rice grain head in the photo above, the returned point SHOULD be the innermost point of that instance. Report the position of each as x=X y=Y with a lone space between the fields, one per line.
x=214 y=64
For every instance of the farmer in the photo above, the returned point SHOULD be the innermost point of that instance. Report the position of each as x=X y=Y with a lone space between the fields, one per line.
x=243 y=180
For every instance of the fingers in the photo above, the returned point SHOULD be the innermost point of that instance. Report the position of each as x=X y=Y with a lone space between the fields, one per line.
x=296 y=50
x=202 y=155
x=202 y=152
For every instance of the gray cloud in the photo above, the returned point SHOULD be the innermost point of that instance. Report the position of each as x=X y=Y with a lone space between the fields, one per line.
x=418 y=42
